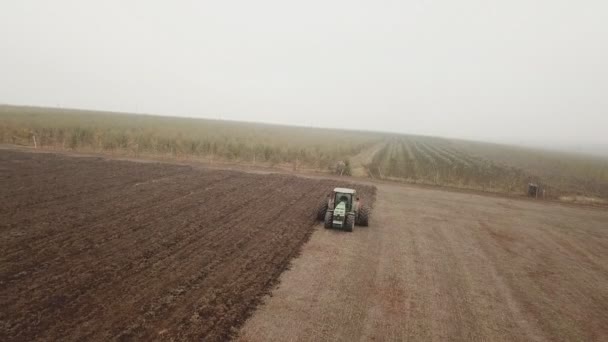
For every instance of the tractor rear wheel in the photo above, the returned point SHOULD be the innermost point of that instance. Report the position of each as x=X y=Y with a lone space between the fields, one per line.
x=349 y=223
x=363 y=217
x=321 y=211
x=329 y=217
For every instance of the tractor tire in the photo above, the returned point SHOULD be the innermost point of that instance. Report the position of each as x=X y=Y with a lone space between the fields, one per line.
x=363 y=217
x=329 y=218
x=321 y=211
x=349 y=223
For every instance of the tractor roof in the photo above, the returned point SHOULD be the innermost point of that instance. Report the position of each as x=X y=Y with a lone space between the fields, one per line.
x=344 y=190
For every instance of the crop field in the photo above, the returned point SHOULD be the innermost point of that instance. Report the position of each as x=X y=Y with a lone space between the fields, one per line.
x=488 y=167
x=404 y=158
x=430 y=162
x=92 y=249
x=184 y=138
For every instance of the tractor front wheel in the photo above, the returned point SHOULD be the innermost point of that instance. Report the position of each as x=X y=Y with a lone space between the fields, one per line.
x=329 y=218
x=321 y=211
x=349 y=223
x=363 y=217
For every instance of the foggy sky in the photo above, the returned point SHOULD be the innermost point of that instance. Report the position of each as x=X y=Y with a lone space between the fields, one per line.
x=517 y=70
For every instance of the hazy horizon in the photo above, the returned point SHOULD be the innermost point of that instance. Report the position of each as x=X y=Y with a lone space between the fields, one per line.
x=516 y=72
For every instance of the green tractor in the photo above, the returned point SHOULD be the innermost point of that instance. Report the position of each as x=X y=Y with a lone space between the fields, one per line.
x=343 y=209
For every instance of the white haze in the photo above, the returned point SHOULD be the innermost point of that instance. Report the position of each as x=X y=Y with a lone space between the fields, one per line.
x=519 y=71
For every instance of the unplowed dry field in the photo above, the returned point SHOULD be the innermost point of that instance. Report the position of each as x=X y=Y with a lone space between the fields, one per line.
x=92 y=249
x=447 y=266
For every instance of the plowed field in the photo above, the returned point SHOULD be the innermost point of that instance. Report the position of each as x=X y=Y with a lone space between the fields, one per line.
x=92 y=249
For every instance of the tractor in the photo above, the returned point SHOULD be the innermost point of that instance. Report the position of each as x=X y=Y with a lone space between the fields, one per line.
x=343 y=209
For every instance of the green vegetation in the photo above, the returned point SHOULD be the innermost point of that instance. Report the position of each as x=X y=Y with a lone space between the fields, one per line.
x=408 y=158
x=489 y=167
x=429 y=161
x=215 y=140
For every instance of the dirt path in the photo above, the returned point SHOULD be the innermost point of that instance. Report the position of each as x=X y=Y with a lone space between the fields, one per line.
x=444 y=266
x=360 y=161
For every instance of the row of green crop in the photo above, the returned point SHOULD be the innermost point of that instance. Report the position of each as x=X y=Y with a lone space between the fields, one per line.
x=441 y=162
x=422 y=163
x=561 y=172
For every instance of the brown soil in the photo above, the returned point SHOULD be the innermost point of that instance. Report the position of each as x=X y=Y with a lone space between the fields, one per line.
x=92 y=249
x=447 y=266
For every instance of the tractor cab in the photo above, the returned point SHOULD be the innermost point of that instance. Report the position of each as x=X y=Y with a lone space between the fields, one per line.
x=341 y=209
x=343 y=195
